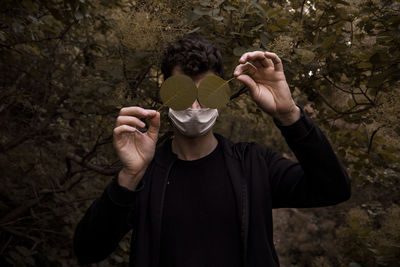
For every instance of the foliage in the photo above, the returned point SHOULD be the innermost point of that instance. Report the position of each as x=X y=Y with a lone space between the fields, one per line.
x=67 y=67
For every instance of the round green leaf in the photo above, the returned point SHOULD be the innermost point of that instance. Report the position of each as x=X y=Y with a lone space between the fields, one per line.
x=214 y=92
x=306 y=56
x=178 y=92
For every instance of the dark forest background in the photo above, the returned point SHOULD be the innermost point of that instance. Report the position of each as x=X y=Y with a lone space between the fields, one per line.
x=67 y=67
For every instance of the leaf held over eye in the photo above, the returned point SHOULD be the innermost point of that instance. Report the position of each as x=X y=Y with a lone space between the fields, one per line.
x=214 y=92
x=178 y=92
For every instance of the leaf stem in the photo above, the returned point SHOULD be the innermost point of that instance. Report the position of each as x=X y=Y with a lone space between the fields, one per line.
x=231 y=79
x=166 y=103
x=163 y=105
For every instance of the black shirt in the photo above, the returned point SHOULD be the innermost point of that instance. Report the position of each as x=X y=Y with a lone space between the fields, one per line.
x=200 y=226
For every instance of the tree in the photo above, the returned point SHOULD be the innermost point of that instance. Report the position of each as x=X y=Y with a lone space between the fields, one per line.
x=67 y=67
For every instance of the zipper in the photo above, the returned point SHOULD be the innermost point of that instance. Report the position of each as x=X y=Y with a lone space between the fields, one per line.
x=244 y=208
x=162 y=204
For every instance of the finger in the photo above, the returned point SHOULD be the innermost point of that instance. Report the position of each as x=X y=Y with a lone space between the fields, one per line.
x=124 y=129
x=250 y=55
x=131 y=121
x=248 y=81
x=257 y=57
x=276 y=60
x=269 y=63
x=137 y=112
x=247 y=68
x=154 y=126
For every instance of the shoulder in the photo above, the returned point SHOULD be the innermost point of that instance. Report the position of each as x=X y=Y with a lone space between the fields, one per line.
x=241 y=150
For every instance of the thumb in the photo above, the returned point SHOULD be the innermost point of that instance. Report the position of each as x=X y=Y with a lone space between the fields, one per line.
x=248 y=81
x=154 y=127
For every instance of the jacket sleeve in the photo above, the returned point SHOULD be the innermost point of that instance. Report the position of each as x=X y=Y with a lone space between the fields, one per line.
x=318 y=179
x=105 y=223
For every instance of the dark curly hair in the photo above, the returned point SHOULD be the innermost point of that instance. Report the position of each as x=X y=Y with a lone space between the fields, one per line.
x=194 y=54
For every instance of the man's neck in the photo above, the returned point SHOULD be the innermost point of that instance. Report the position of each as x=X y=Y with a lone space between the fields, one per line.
x=192 y=148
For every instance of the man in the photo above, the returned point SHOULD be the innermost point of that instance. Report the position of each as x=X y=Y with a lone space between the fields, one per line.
x=200 y=200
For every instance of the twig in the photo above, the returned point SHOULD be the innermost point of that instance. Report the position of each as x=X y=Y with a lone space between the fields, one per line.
x=17 y=233
x=21 y=209
x=337 y=87
x=348 y=112
x=351 y=36
x=371 y=139
x=5 y=245
x=366 y=96
x=37 y=230
x=301 y=12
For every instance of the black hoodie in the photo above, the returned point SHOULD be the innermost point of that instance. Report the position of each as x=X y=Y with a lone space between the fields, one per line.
x=262 y=180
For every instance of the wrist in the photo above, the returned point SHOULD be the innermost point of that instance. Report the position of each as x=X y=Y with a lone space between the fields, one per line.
x=128 y=179
x=290 y=117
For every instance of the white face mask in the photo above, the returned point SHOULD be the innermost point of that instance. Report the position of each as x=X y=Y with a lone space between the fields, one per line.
x=193 y=122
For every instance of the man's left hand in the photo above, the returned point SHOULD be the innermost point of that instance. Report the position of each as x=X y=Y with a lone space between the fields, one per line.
x=267 y=85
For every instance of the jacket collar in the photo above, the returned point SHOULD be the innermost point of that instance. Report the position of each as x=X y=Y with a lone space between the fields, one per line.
x=165 y=157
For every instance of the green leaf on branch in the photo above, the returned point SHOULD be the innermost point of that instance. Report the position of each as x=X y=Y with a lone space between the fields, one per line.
x=377 y=80
x=274 y=28
x=364 y=65
x=328 y=41
x=229 y=8
x=202 y=11
x=273 y=13
x=29 y=5
x=239 y=50
x=350 y=103
x=264 y=39
x=69 y=115
x=194 y=30
x=78 y=14
x=306 y=56
x=218 y=18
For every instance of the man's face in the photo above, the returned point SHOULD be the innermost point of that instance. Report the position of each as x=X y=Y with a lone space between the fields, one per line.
x=197 y=80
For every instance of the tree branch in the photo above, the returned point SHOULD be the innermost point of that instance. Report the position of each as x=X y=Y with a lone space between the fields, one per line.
x=99 y=169
x=348 y=112
x=42 y=127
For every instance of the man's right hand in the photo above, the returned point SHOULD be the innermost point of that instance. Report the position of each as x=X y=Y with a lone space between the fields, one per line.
x=134 y=148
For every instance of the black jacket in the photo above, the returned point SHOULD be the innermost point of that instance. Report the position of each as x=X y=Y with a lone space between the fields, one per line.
x=262 y=180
